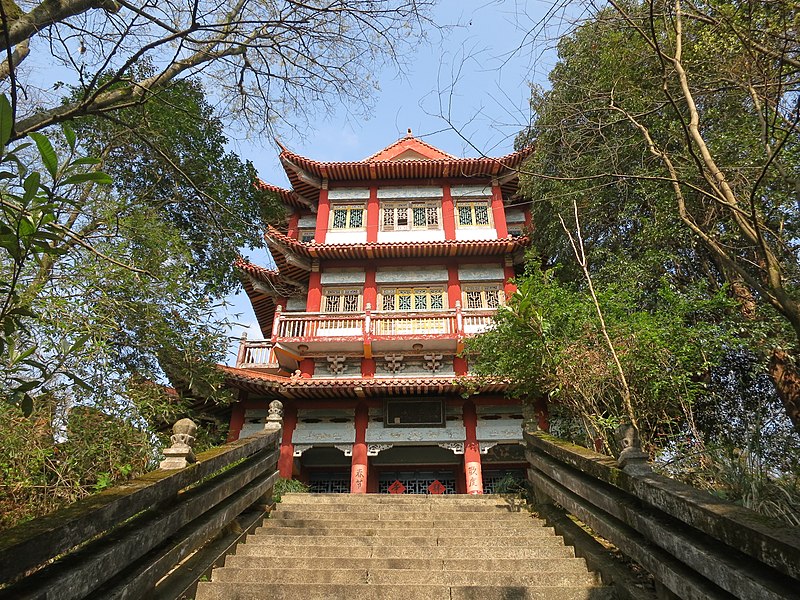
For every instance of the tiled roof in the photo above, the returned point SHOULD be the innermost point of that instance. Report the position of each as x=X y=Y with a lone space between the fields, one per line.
x=406 y=143
x=319 y=387
x=372 y=250
x=306 y=174
x=286 y=196
x=264 y=304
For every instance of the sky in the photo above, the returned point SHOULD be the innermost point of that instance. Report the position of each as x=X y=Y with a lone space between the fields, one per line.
x=465 y=92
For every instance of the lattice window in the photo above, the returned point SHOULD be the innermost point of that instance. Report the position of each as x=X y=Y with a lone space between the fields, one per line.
x=401 y=216
x=412 y=299
x=332 y=484
x=347 y=216
x=417 y=484
x=341 y=300
x=473 y=214
x=483 y=296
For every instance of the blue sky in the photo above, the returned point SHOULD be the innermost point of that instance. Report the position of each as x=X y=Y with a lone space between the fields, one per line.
x=475 y=73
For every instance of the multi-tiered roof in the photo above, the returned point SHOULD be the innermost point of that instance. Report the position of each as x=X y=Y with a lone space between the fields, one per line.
x=409 y=158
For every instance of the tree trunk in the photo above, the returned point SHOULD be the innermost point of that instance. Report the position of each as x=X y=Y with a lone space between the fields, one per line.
x=787 y=383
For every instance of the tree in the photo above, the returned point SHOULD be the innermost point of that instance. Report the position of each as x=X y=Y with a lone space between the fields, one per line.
x=550 y=341
x=675 y=126
x=267 y=60
x=114 y=289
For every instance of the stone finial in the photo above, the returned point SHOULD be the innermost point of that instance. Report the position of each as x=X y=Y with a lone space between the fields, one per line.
x=180 y=454
x=275 y=416
x=631 y=458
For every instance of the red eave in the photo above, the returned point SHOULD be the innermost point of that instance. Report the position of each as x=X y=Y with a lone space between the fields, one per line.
x=288 y=197
x=375 y=250
x=300 y=387
x=264 y=304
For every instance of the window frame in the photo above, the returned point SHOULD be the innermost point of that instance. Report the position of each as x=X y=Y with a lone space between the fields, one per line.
x=341 y=292
x=348 y=207
x=429 y=292
x=483 y=289
x=409 y=206
x=301 y=233
x=472 y=203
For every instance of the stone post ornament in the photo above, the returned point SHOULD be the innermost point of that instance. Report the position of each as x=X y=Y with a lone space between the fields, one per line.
x=631 y=458
x=180 y=455
x=274 y=416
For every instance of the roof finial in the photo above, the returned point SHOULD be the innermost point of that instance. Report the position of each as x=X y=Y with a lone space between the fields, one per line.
x=409 y=133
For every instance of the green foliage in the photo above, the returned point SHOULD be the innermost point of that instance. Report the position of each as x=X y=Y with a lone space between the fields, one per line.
x=695 y=301
x=288 y=486
x=548 y=342
x=113 y=292
x=30 y=234
x=511 y=485
x=50 y=459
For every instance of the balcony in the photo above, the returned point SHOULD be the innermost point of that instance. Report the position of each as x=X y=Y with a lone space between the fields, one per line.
x=303 y=333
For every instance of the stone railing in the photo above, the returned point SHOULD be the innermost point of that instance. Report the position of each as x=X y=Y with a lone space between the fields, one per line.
x=694 y=545
x=122 y=542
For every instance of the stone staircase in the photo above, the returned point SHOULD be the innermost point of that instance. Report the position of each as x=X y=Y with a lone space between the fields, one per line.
x=383 y=547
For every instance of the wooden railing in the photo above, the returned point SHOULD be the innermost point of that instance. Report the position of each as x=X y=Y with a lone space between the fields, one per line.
x=257 y=352
x=414 y=324
x=449 y=323
x=693 y=544
x=123 y=541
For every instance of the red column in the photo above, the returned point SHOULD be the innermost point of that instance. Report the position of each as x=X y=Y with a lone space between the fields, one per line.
x=286 y=459
x=508 y=273
x=472 y=453
x=307 y=367
x=314 y=300
x=323 y=211
x=528 y=219
x=358 y=472
x=370 y=289
x=368 y=368
x=293 y=230
x=448 y=214
x=373 y=215
x=542 y=412
x=460 y=366
x=453 y=285
x=237 y=421
x=499 y=212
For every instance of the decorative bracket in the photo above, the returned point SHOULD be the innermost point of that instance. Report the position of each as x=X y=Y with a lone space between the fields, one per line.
x=486 y=446
x=346 y=448
x=455 y=447
x=433 y=362
x=300 y=448
x=394 y=363
x=337 y=364
x=375 y=449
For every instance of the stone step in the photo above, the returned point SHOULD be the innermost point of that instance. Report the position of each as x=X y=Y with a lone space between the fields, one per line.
x=428 y=519
x=416 y=499
x=405 y=577
x=331 y=550
x=416 y=529
x=377 y=547
x=381 y=539
x=306 y=591
x=462 y=507
x=404 y=515
x=528 y=565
